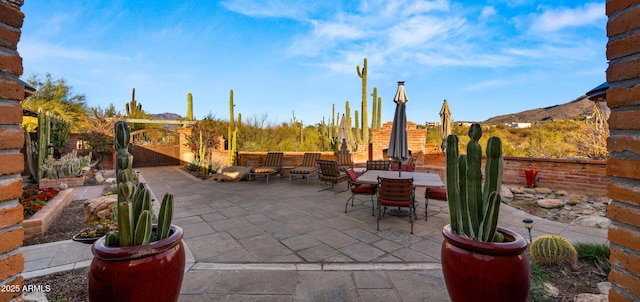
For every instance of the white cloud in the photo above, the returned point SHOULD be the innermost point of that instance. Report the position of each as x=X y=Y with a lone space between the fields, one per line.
x=557 y=19
x=487 y=12
x=43 y=51
x=486 y=85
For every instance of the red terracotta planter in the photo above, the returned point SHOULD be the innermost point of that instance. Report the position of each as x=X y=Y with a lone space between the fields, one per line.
x=150 y=272
x=484 y=271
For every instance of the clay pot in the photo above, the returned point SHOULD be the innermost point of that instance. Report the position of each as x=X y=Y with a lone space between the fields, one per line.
x=485 y=271
x=150 y=272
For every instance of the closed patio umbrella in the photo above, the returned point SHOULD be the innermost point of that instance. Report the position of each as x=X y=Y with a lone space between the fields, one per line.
x=398 y=147
x=445 y=124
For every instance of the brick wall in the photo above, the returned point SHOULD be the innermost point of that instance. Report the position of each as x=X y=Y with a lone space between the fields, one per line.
x=380 y=141
x=11 y=141
x=623 y=167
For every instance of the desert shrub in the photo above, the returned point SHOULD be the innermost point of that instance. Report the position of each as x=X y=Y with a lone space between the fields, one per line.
x=598 y=253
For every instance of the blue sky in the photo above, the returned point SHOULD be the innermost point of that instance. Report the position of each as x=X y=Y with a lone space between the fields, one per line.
x=486 y=58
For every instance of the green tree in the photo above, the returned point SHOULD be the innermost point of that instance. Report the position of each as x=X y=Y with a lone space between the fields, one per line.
x=99 y=131
x=57 y=97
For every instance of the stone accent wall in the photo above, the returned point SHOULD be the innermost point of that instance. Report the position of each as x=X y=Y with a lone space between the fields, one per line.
x=11 y=141
x=623 y=166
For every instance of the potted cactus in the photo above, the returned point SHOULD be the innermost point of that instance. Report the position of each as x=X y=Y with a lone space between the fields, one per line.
x=140 y=261
x=480 y=261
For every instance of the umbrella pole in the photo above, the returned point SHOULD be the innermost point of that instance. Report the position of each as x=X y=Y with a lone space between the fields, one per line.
x=399 y=167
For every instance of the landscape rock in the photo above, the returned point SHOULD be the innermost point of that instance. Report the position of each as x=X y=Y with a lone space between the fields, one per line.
x=517 y=190
x=35 y=297
x=562 y=193
x=506 y=194
x=108 y=173
x=99 y=178
x=574 y=201
x=529 y=191
x=110 y=181
x=591 y=298
x=99 y=209
x=551 y=203
x=592 y=222
x=543 y=190
x=604 y=287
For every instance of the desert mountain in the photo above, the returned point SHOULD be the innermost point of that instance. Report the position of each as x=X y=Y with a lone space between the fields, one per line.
x=570 y=110
x=166 y=116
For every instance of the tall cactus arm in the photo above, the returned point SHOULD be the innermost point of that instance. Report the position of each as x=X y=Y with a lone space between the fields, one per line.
x=463 y=212
x=125 y=225
x=143 y=229
x=189 y=106
x=474 y=176
x=490 y=224
x=166 y=214
x=493 y=168
x=453 y=192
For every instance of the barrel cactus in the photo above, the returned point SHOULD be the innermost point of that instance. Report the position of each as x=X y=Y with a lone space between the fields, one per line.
x=134 y=201
x=473 y=209
x=552 y=249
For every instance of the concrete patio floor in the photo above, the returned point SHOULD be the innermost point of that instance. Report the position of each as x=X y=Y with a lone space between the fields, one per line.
x=290 y=242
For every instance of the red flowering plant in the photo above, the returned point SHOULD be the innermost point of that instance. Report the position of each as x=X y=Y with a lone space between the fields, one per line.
x=34 y=199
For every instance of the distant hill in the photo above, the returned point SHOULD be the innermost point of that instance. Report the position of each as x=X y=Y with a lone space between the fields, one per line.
x=166 y=116
x=569 y=110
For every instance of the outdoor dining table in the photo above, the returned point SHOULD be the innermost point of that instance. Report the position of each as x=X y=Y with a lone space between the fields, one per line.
x=420 y=179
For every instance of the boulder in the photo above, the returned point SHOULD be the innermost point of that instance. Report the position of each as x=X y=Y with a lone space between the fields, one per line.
x=99 y=209
x=551 y=203
x=592 y=222
x=110 y=181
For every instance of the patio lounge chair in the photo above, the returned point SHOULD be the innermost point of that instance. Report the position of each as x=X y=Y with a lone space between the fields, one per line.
x=272 y=165
x=344 y=160
x=359 y=189
x=408 y=165
x=329 y=172
x=394 y=192
x=378 y=165
x=308 y=167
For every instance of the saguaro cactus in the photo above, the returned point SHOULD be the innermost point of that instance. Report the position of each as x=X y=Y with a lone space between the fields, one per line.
x=374 y=110
x=358 y=137
x=133 y=109
x=352 y=143
x=44 y=135
x=474 y=210
x=379 y=113
x=232 y=132
x=189 y=106
x=365 y=119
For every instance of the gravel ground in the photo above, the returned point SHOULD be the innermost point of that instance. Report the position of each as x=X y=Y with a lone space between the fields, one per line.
x=70 y=286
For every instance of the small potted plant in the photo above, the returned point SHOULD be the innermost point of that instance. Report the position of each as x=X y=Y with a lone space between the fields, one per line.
x=480 y=261
x=140 y=261
x=99 y=229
